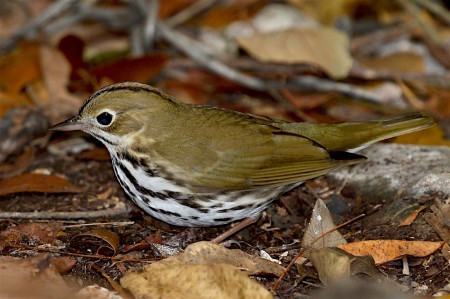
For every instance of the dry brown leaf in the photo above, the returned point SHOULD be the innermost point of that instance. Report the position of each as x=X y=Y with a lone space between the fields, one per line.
x=401 y=62
x=384 y=251
x=321 y=222
x=39 y=276
x=412 y=217
x=159 y=280
x=43 y=233
x=141 y=69
x=33 y=182
x=325 y=47
x=56 y=70
x=99 y=240
x=10 y=101
x=209 y=253
x=18 y=68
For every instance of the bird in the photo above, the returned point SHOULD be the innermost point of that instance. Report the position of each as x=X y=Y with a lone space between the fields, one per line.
x=200 y=166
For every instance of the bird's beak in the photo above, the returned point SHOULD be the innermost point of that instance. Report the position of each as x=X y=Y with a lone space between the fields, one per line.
x=71 y=124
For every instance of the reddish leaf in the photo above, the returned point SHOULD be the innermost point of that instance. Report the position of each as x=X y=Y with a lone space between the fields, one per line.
x=43 y=233
x=97 y=154
x=33 y=182
x=131 y=69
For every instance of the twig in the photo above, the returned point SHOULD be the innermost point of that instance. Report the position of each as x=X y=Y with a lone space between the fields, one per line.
x=114 y=284
x=120 y=223
x=275 y=286
x=189 y=12
x=194 y=50
x=435 y=8
x=317 y=84
x=120 y=209
x=57 y=8
x=92 y=256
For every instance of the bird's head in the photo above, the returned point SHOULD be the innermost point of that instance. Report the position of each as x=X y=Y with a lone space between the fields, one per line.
x=118 y=111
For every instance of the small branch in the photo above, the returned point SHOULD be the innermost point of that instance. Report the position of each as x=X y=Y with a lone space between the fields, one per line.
x=435 y=8
x=57 y=8
x=189 y=12
x=318 y=84
x=120 y=209
x=194 y=50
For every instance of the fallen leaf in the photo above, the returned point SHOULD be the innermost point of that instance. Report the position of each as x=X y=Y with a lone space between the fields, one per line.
x=384 y=251
x=159 y=280
x=209 y=253
x=63 y=264
x=42 y=233
x=334 y=264
x=227 y=12
x=401 y=62
x=10 y=101
x=18 y=166
x=325 y=47
x=431 y=136
x=20 y=67
x=141 y=69
x=101 y=241
x=412 y=217
x=56 y=70
x=33 y=182
x=34 y=278
x=321 y=222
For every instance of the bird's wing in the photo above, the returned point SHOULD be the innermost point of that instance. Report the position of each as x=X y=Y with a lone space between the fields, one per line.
x=243 y=153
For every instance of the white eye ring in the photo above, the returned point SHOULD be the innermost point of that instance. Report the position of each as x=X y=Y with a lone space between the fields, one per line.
x=105 y=118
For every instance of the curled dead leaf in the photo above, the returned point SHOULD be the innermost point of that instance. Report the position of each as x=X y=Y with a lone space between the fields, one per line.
x=101 y=241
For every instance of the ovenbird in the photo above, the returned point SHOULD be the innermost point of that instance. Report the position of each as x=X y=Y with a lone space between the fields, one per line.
x=193 y=165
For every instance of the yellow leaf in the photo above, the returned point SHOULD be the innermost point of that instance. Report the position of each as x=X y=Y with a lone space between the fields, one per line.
x=431 y=136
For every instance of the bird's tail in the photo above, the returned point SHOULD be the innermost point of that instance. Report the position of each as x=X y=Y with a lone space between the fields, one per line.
x=353 y=136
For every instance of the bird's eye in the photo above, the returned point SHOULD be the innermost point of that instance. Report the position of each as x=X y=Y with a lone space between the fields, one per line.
x=104 y=118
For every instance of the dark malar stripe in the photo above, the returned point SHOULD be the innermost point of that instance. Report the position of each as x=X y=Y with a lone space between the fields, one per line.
x=103 y=139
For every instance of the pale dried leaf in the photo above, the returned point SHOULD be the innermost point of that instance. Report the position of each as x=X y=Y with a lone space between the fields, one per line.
x=321 y=222
x=56 y=71
x=209 y=253
x=334 y=264
x=192 y=281
x=324 y=47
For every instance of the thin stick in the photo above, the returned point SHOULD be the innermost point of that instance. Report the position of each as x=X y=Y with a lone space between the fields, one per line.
x=274 y=288
x=189 y=12
x=53 y=10
x=92 y=256
x=114 y=284
x=120 y=209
